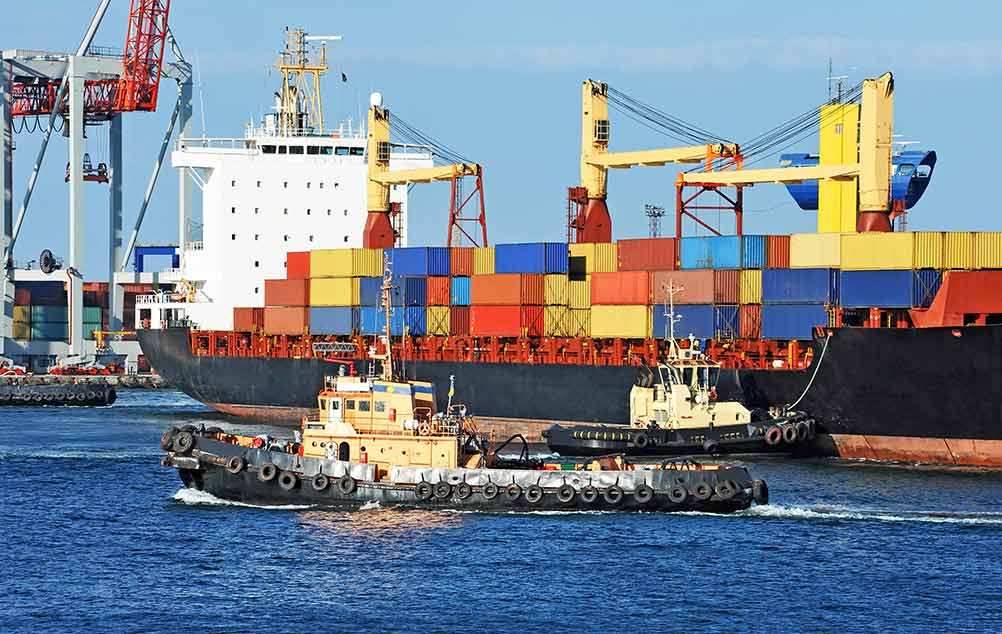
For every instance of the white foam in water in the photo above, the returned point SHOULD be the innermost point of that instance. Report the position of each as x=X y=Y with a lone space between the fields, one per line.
x=835 y=513
x=195 y=497
x=371 y=505
x=75 y=454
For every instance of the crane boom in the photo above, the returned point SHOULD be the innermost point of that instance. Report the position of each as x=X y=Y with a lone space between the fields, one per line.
x=779 y=175
x=427 y=175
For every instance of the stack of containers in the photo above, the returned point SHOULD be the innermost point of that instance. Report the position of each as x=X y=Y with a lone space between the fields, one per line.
x=412 y=267
x=694 y=310
x=879 y=270
x=439 y=297
x=286 y=310
x=620 y=305
x=462 y=265
x=335 y=285
x=50 y=323
x=794 y=301
x=510 y=302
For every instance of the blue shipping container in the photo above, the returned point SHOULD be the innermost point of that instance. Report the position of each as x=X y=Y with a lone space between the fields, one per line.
x=925 y=286
x=889 y=289
x=753 y=252
x=415 y=290
x=691 y=319
x=726 y=322
x=531 y=257
x=460 y=292
x=792 y=321
x=800 y=286
x=408 y=290
x=369 y=289
x=372 y=321
x=419 y=260
x=333 y=320
x=711 y=252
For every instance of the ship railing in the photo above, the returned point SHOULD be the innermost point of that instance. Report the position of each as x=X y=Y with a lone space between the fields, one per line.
x=219 y=143
x=321 y=348
x=194 y=245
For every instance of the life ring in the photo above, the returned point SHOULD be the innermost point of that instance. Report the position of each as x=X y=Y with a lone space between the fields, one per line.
x=463 y=491
x=589 y=494
x=702 y=492
x=513 y=491
x=442 y=490
x=678 y=494
x=489 y=491
x=346 y=484
x=533 y=494
x=566 y=493
x=320 y=482
x=184 y=442
x=760 y=491
x=424 y=429
x=641 y=440
x=287 y=480
x=423 y=491
x=726 y=489
x=267 y=472
x=613 y=494
x=789 y=433
x=235 y=464
x=257 y=443
x=167 y=440
x=803 y=431
x=773 y=435
x=643 y=493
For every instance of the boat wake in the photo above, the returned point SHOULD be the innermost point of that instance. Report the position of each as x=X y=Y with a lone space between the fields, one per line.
x=827 y=513
x=77 y=454
x=194 y=497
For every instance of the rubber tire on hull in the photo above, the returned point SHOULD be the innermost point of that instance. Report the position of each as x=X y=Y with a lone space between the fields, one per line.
x=267 y=472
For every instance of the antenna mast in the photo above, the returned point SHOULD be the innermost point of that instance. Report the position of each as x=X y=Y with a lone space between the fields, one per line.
x=654 y=214
x=385 y=289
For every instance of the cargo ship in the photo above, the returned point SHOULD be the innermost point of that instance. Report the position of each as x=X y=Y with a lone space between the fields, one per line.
x=887 y=338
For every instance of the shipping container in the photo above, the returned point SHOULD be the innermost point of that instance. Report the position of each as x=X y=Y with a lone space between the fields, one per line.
x=696 y=286
x=579 y=322
x=459 y=321
x=646 y=254
x=726 y=286
x=726 y=323
x=506 y=321
x=754 y=252
x=927 y=283
x=40 y=293
x=415 y=289
x=531 y=257
x=889 y=289
x=624 y=287
x=579 y=293
x=21 y=330
x=483 y=261
x=800 y=286
x=778 y=252
x=286 y=320
x=710 y=252
x=461 y=261
x=417 y=261
x=459 y=292
x=297 y=265
x=591 y=257
x=988 y=250
x=877 y=251
x=287 y=292
x=370 y=292
x=438 y=321
x=698 y=320
x=815 y=250
x=958 y=250
x=248 y=319
x=751 y=287
x=792 y=321
x=508 y=289
x=372 y=320
x=22 y=296
x=439 y=290
x=93 y=314
x=334 y=291
x=346 y=263
x=556 y=321
x=49 y=331
x=43 y=314
x=621 y=322
x=555 y=293
x=333 y=320
x=22 y=314
x=750 y=321
x=928 y=247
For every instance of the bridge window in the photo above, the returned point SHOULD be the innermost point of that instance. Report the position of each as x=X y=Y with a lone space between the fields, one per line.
x=321 y=184
x=363 y=406
x=233 y=210
x=326 y=150
x=923 y=171
x=308 y=184
x=295 y=149
x=905 y=169
x=349 y=404
x=282 y=149
x=312 y=149
x=358 y=151
x=255 y=211
x=257 y=263
x=267 y=149
x=380 y=406
x=341 y=151
x=233 y=183
x=307 y=212
x=233 y=236
x=346 y=238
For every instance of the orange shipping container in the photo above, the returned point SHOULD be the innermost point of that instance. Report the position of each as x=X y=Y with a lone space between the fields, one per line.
x=438 y=291
x=697 y=286
x=459 y=321
x=461 y=261
x=287 y=292
x=726 y=286
x=248 y=319
x=508 y=289
x=506 y=321
x=646 y=254
x=297 y=265
x=777 y=252
x=750 y=321
x=628 y=287
x=286 y=320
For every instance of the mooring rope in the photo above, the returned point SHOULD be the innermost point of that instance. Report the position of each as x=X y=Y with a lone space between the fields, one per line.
x=817 y=367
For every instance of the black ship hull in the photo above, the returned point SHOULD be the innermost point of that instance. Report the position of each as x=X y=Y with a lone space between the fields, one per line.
x=926 y=395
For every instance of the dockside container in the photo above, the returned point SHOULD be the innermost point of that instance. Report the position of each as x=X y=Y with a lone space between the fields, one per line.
x=799 y=286
x=877 y=251
x=750 y=321
x=928 y=252
x=556 y=321
x=335 y=291
x=754 y=252
x=888 y=289
x=710 y=252
x=508 y=289
x=531 y=257
x=988 y=250
x=333 y=320
x=459 y=291
x=591 y=257
x=625 y=322
x=287 y=292
x=579 y=294
x=778 y=252
x=438 y=321
x=815 y=250
x=286 y=320
x=419 y=261
x=697 y=286
x=345 y=262
x=726 y=286
x=698 y=320
x=439 y=291
x=506 y=321
x=622 y=287
x=248 y=319
x=751 y=287
x=792 y=321
x=459 y=321
x=297 y=265
x=556 y=289
x=483 y=261
x=646 y=254
x=958 y=250
x=461 y=261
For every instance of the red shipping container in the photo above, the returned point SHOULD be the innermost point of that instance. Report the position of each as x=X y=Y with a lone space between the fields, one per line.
x=777 y=252
x=459 y=321
x=287 y=292
x=438 y=291
x=697 y=286
x=629 y=287
x=506 y=321
x=726 y=286
x=646 y=254
x=286 y=320
x=22 y=297
x=248 y=319
x=508 y=289
x=297 y=265
x=750 y=321
x=461 y=261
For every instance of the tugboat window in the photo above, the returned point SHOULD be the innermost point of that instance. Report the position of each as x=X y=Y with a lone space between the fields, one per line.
x=349 y=404
x=363 y=406
x=380 y=406
x=343 y=451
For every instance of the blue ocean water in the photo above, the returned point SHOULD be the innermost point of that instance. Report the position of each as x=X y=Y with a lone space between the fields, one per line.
x=99 y=538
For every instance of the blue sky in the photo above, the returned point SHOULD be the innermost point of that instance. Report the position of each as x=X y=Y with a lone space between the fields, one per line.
x=500 y=82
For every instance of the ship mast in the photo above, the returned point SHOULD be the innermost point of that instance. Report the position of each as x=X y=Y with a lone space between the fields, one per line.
x=385 y=290
x=300 y=104
x=670 y=290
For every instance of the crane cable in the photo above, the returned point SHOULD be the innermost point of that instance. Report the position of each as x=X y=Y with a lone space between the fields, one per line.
x=660 y=121
x=414 y=136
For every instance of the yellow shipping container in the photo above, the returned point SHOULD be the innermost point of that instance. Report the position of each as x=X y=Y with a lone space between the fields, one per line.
x=334 y=291
x=483 y=261
x=928 y=250
x=579 y=293
x=556 y=321
x=22 y=323
x=958 y=250
x=437 y=320
x=346 y=263
x=751 y=286
x=579 y=322
x=599 y=257
x=988 y=250
x=815 y=250
x=626 y=322
x=22 y=314
x=876 y=251
x=556 y=290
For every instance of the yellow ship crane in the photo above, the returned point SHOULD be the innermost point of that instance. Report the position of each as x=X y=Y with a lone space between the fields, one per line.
x=379 y=231
x=591 y=219
x=852 y=165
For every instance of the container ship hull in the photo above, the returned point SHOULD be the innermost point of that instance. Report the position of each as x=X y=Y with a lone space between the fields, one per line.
x=948 y=411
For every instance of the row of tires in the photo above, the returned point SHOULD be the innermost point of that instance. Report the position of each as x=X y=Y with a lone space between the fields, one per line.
x=80 y=397
x=790 y=433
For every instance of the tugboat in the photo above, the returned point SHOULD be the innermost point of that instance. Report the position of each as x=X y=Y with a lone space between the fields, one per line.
x=676 y=412
x=379 y=439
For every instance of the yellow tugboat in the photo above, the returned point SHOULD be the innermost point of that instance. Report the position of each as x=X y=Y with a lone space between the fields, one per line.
x=380 y=439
